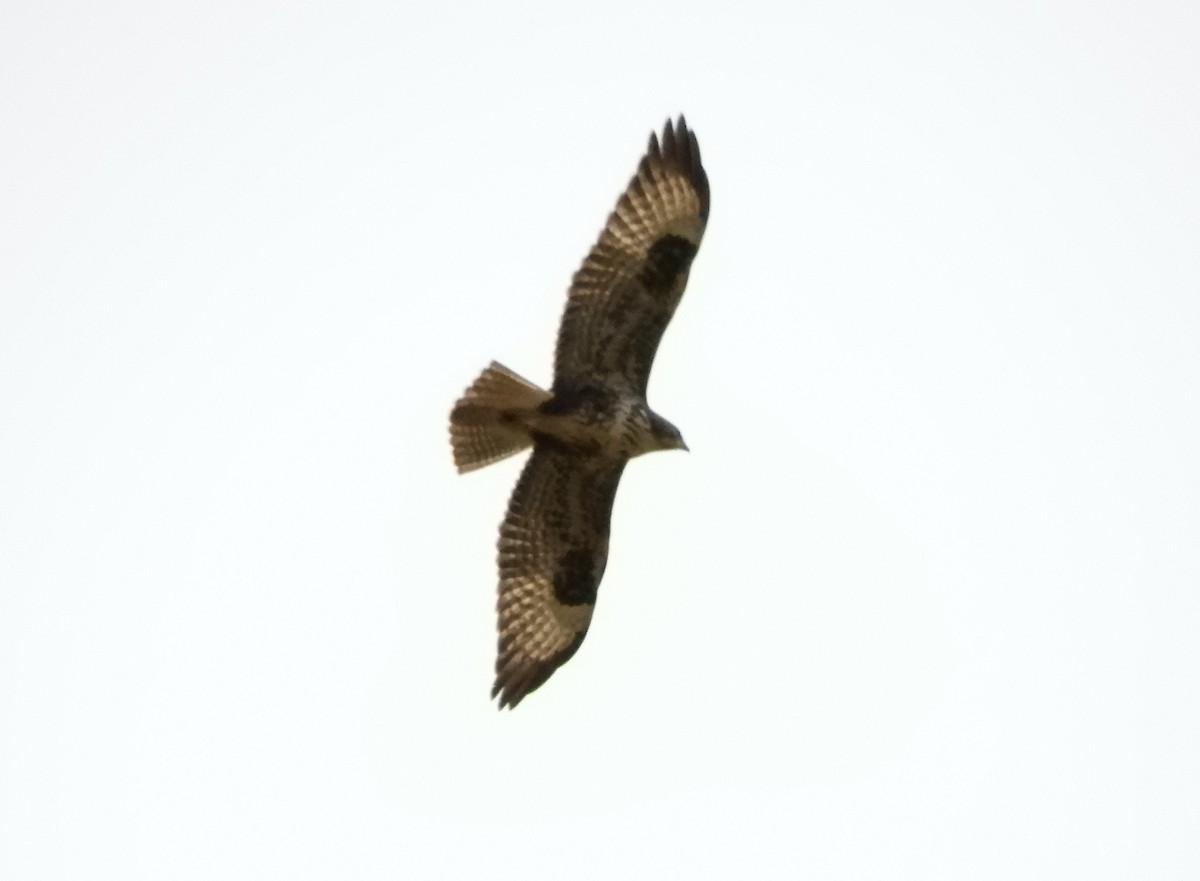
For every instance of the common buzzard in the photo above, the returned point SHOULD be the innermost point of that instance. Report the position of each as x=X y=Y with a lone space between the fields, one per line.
x=554 y=540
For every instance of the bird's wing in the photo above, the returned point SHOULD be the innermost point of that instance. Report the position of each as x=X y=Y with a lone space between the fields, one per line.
x=626 y=291
x=553 y=549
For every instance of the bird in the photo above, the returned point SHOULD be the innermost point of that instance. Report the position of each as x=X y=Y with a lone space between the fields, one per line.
x=594 y=418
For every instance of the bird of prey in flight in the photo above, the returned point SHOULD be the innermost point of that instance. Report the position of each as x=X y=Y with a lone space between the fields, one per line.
x=554 y=540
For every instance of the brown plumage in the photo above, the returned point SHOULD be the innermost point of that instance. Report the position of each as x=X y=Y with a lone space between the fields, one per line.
x=554 y=539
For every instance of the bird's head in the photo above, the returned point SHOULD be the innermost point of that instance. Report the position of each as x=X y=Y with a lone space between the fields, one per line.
x=666 y=434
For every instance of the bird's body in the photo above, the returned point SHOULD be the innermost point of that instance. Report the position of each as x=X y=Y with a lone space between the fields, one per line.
x=595 y=418
x=595 y=422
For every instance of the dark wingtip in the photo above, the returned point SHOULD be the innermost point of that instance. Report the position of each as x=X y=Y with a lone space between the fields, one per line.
x=668 y=139
x=516 y=680
x=497 y=688
x=510 y=690
x=512 y=678
x=681 y=149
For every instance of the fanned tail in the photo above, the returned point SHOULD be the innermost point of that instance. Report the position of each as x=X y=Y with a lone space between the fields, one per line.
x=486 y=424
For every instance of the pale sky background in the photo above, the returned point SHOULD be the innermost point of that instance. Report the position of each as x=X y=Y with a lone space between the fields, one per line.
x=923 y=602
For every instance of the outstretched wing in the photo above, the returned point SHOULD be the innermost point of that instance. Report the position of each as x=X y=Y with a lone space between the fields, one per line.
x=553 y=549
x=625 y=293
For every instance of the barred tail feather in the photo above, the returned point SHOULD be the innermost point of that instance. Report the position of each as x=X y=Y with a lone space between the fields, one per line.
x=486 y=424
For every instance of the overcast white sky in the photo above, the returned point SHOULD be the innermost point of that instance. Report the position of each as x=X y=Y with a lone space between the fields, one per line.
x=923 y=601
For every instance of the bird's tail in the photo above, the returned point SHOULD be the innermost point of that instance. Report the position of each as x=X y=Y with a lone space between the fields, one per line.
x=487 y=424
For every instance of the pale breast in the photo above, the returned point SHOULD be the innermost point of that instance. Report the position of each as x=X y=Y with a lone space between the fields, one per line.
x=595 y=422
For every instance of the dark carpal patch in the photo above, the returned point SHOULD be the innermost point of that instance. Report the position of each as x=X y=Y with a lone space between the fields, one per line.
x=667 y=258
x=575 y=580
